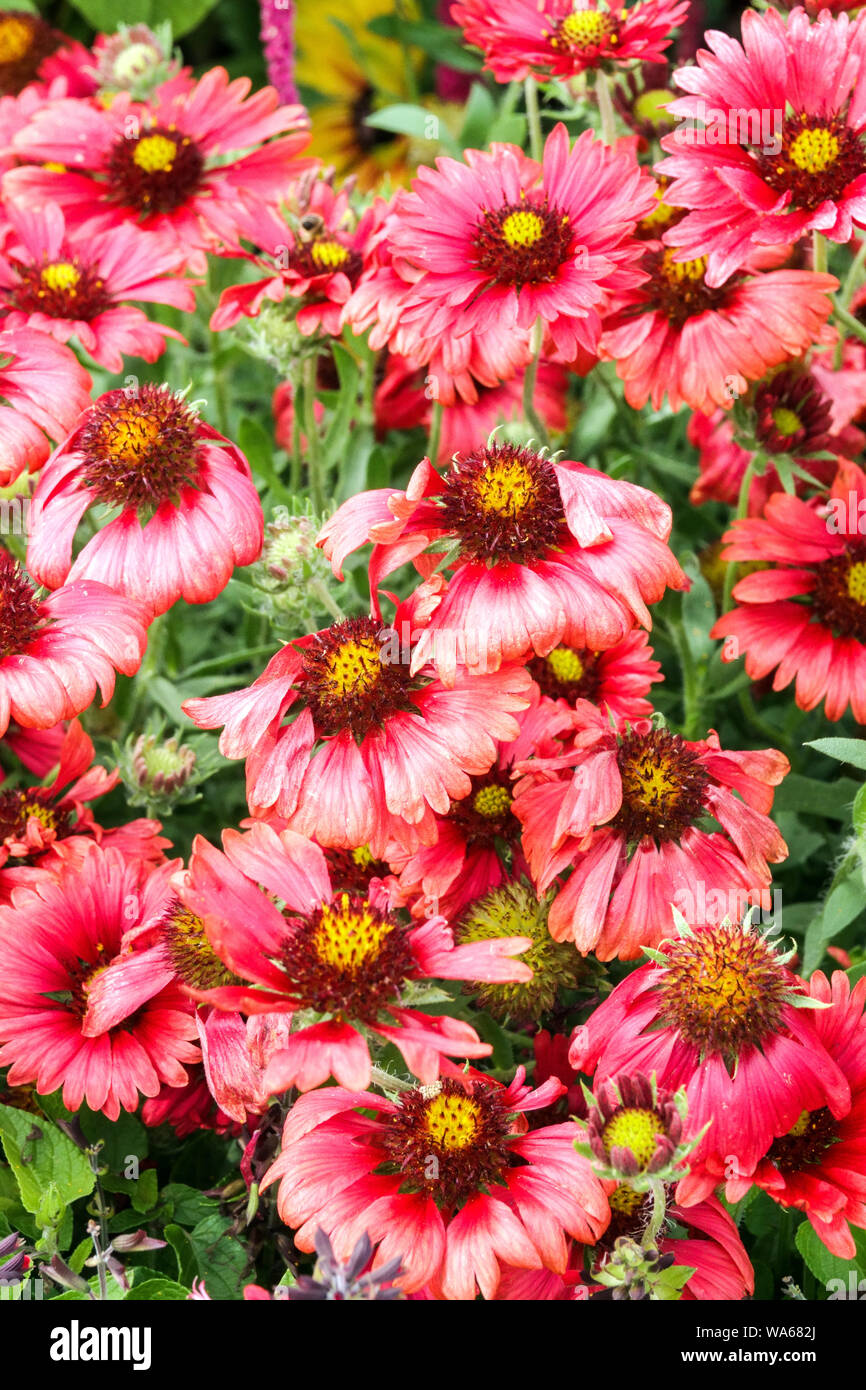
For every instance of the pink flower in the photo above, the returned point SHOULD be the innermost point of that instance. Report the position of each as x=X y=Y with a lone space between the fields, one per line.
x=819 y=1166
x=55 y=942
x=189 y=508
x=169 y=164
x=629 y=825
x=558 y=38
x=617 y=679
x=748 y=182
x=341 y=955
x=468 y=1188
x=480 y=251
x=396 y=745
x=54 y=652
x=676 y=335
x=77 y=285
x=43 y=391
x=803 y=614
x=548 y=552
x=316 y=272
x=477 y=845
x=717 y=1015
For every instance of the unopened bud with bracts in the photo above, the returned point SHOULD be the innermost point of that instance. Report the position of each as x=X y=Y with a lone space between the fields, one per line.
x=136 y=59
x=634 y=1132
x=161 y=773
x=633 y=1272
x=291 y=583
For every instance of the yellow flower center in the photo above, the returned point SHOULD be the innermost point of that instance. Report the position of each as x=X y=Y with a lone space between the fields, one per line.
x=857 y=582
x=505 y=487
x=522 y=228
x=15 y=38
x=452 y=1121
x=683 y=270
x=786 y=421
x=62 y=276
x=586 y=28
x=348 y=938
x=155 y=154
x=54 y=168
x=491 y=801
x=565 y=664
x=634 y=1129
x=801 y=1125
x=650 y=785
x=624 y=1201
x=329 y=255
x=652 y=106
x=43 y=813
x=190 y=951
x=353 y=667
x=362 y=857
x=814 y=150
x=132 y=435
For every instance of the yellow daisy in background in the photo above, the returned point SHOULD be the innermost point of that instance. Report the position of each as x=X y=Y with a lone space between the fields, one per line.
x=355 y=72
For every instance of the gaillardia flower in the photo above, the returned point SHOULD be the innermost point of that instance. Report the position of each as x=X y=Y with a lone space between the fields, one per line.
x=617 y=679
x=54 y=943
x=55 y=651
x=482 y=250
x=718 y=1012
x=635 y=824
x=561 y=38
x=395 y=745
x=819 y=1165
x=676 y=335
x=448 y=1176
x=78 y=285
x=749 y=181
x=188 y=508
x=166 y=164
x=347 y=958
x=43 y=391
x=316 y=269
x=806 y=615
x=543 y=552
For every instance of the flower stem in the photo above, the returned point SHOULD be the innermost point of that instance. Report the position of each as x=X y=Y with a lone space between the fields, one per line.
x=605 y=106
x=435 y=432
x=742 y=511
x=328 y=602
x=386 y=1082
x=530 y=414
x=660 y=1206
x=819 y=252
x=533 y=118
x=311 y=429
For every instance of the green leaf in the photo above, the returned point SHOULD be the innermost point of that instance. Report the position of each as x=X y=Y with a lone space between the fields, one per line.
x=337 y=433
x=141 y=1191
x=812 y=797
x=157 y=1291
x=845 y=750
x=259 y=448
x=699 y=612
x=39 y=1154
x=478 y=118
x=220 y=1257
x=418 y=123
x=183 y=15
x=188 y=1206
x=182 y=1246
x=821 y=1263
